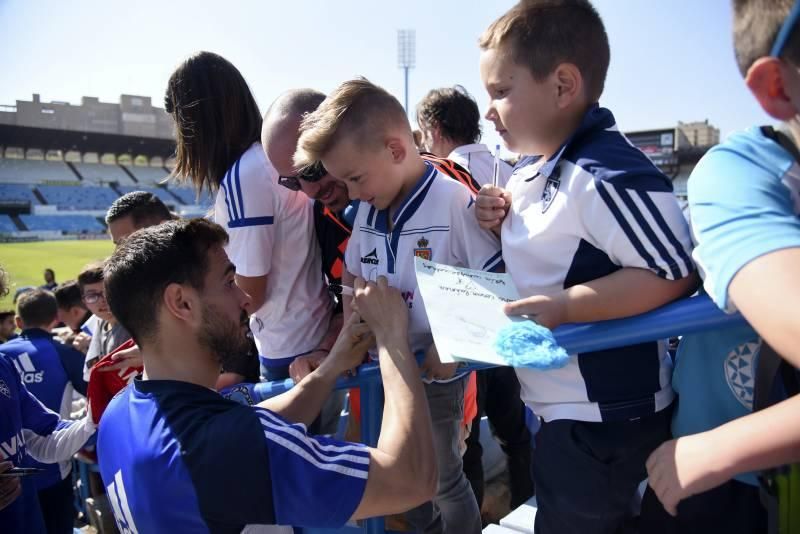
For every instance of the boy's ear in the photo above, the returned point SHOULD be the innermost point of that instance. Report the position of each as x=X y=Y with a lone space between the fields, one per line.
x=396 y=148
x=568 y=84
x=766 y=80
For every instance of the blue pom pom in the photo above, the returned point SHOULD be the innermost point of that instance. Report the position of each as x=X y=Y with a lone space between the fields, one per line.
x=527 y=344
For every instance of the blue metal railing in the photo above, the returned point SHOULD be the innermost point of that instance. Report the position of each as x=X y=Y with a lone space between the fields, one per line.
x=683 y=317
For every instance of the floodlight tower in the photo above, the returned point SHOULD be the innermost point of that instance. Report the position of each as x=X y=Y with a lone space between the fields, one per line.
x=406 y=54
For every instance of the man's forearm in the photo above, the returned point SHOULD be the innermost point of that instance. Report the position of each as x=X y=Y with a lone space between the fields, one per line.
x=334 y=327
x=406 y=432
x=624 y=293
x=768 y=438
x=303 y=403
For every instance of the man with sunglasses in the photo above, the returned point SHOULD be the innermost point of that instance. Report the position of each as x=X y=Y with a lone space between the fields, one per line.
x=108 y=334
x=332 y=210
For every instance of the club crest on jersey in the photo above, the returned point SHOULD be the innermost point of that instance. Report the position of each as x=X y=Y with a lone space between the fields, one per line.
x=549 y=193
x=4 y=389
x=423 y=251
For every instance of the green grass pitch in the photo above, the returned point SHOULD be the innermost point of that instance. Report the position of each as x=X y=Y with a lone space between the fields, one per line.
x=26 y=262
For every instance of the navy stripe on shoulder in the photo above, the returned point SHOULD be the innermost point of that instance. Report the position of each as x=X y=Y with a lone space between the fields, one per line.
x=251 y=221
x=624 y=194
x=610 y=157
x=632 y=237
x=239 y=188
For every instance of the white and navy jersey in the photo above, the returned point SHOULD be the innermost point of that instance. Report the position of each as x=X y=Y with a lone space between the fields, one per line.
x=29 y=430
x=479 y=161
x=178 y=457
x=436 y=221
x=271 y=233
x=596 y=206
x=52 y=372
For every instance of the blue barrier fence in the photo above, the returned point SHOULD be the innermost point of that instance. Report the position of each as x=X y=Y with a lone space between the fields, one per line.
x=683 y=317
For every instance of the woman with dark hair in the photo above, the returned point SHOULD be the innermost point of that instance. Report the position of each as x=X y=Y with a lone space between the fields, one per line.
x=271 y=230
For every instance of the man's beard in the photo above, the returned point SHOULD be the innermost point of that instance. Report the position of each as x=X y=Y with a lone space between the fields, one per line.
x=226 y=339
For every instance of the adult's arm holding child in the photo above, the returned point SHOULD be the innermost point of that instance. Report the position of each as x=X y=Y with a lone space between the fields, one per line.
x=693 y=464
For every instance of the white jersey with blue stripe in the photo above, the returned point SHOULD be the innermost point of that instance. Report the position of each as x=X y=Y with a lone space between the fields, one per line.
x=436 y=221
x=178 y=457
x=272 y=234
x=479 y=161
x=596 y=206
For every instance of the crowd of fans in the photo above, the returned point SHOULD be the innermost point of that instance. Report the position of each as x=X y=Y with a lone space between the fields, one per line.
x=306 y=269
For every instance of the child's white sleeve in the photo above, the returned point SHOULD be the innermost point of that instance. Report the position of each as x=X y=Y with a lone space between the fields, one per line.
x=247 y=207
x=637 y=222
x=352 y=254
x=470 y=245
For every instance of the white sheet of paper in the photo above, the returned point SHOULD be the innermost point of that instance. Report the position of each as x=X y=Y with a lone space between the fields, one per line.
x=465 y=309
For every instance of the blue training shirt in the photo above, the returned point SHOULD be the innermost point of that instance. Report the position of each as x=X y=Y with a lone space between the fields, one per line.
x=21 y=412
x=50 y=371
x=178 y=457
x=744 y=200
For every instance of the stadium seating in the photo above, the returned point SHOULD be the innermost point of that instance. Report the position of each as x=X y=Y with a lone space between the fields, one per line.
x=160 y=192
x=65 y=223
x=148 y=175
x=189 y=197
x=68 y=197
x=98 y=173
x=7 y=225
x=34 y=171
x=17 y=193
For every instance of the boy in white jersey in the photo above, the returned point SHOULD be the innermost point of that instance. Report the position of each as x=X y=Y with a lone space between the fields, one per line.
x=361 y=134
x=590 y=231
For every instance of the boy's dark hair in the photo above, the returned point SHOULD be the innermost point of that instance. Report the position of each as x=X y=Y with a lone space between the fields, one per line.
x=5 y=314
x=216 y=118
x=144 y=209
x=91 y=274
x=541 y=34
x=68 y=295
x=37 y=308
x=148 y=261
x=454 y=112
x=756 y=24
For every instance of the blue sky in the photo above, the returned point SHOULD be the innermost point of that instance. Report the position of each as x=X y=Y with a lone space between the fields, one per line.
x=670 y=59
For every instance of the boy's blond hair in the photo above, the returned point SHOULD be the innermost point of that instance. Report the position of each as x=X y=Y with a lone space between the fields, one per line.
x=541 y=34
x=756 y=24
x=357 y=110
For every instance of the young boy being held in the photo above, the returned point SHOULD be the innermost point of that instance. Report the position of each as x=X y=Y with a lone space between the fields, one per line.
x=361 y=134
x=590 y=230
x=744 y=202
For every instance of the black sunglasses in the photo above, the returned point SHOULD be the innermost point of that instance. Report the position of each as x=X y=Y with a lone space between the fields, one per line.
x=312 y=173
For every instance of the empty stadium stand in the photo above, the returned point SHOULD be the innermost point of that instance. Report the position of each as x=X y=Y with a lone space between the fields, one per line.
x=76 y=224
x=17 y=193
x=188 y=196
x=35 y=171
x=97 y=173
x=68 y=197
x=148 y=175
x=6 y=224
x=160 y=192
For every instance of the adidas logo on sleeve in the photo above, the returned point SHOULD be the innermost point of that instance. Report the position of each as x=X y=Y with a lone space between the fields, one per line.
x=27 y=371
